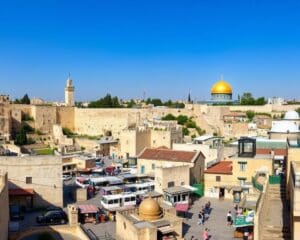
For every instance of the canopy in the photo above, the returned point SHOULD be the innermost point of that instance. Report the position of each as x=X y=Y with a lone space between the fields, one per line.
x=166 y=229
x=21 y=192
x=243 y=221
x=88 y=208
x=182 y=207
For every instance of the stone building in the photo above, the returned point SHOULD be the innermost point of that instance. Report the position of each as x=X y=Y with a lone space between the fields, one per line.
x=150 y=159
x=34 y=181
x=170 y=176
x=294 y=190
x=69 y=93
x=4 y=213
x=5 y=118
x=148 y=222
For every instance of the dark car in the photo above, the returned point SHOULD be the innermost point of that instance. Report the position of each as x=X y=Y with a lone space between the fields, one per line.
x=53 y=217
x=15 y=213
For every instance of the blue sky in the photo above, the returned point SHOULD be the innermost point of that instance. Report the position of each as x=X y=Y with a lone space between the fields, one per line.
x=161 y=47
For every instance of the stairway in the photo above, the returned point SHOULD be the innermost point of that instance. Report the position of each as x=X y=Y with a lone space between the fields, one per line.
x=275 y=220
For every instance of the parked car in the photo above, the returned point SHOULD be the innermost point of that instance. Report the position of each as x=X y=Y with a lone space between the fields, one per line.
x=53 y=217
x=53 y=208
x=15 y=212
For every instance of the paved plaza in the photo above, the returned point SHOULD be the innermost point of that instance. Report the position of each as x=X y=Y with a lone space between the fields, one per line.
x=216 y=222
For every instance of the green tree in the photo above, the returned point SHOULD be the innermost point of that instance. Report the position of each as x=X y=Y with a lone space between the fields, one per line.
x=169 y=117
x=182 y=119
x=21 y=138
x=67 y=132
x=250 y=115
x=297 y=110
x=156 y=102
x=260 y=101
x=247 y=99
x=105 y=102
x=185 y=131
x=131 y=103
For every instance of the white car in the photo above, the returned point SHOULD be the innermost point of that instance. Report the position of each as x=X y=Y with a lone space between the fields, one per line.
x=66 y=177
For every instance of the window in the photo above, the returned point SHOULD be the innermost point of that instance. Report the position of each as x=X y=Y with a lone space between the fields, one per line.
x=132 y=199
x=243 y=166
x=153 y=166
x=127 y=199
x=28 y=180
x=218 y=178
x=116 y=200
x=242 y=180
x=171 y=184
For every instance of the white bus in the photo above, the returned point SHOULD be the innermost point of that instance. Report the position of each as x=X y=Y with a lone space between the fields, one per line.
x=139 y=188
x=99 y=182
x=117 y=201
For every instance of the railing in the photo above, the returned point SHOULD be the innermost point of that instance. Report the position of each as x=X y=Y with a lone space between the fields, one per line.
x=257 y=185
x=275 y=179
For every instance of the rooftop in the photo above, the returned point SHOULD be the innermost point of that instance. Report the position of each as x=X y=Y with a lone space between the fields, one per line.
x=176 y=189
x=169 y=155
x=223 y=167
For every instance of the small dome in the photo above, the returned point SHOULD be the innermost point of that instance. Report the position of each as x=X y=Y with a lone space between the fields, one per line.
x=291 y=115
x=150 y=210
x=221 y=87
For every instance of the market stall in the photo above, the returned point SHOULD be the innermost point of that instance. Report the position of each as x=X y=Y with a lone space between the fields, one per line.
x=88 y=213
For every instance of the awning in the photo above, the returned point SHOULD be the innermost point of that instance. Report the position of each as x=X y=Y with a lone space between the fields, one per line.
x=166 y=229
x=89 y=208
x=243 y=221
x=182 y=207
x=21 y=192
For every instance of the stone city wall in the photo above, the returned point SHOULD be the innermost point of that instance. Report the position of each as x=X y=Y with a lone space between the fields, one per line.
x=4 y=213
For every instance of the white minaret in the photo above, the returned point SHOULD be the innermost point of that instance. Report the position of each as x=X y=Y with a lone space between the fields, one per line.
x=69 y=93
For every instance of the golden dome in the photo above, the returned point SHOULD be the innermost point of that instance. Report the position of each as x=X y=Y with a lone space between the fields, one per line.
x=221 y=87
x=150 y=210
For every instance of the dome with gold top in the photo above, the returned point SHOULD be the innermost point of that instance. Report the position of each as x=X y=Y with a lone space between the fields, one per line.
x=221 y=87
x=150 y=210
x=221 y=91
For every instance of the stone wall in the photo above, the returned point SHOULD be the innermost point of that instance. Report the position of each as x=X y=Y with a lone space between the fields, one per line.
x=66 y=117
x=180 y=175
x=46 y=173
x=4 y=213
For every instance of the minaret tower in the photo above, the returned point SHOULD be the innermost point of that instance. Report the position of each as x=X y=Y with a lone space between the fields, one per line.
x=69 y=93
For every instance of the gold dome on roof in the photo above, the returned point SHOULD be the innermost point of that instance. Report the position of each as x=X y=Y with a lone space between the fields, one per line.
x=221 y=87
x=150 y=210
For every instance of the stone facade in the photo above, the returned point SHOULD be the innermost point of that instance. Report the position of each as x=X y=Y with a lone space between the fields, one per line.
x=196 y=165
x=175 y=175
x=5 y=118
x=43 y=174
x=4 y=213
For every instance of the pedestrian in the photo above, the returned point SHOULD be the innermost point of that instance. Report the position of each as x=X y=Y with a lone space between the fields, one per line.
x=246 y=235
x=192 y=238
x=203 y=217
x=229 y=218
x=200 y=216
x=205 y=235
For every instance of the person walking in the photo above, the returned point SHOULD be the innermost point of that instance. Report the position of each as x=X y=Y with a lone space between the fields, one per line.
x=200 y=216
x=205 y=235
x=229 y=218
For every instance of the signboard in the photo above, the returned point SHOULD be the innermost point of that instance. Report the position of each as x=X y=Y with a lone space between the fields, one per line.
x=244 y=221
